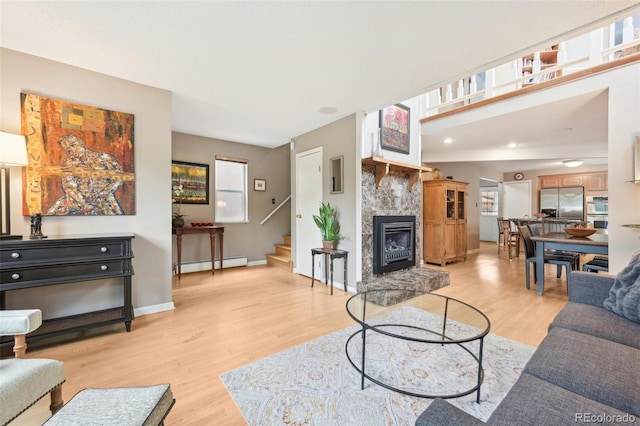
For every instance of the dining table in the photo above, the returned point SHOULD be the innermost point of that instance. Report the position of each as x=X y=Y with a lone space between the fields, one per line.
x=597 y=243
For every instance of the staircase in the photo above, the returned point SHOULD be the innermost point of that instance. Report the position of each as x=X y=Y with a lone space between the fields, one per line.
x=282 y=257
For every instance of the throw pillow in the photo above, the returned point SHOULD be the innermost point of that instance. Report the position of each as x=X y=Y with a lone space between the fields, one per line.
x=624 y=295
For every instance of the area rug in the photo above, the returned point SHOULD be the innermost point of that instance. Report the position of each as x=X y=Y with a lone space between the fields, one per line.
x=314 y=383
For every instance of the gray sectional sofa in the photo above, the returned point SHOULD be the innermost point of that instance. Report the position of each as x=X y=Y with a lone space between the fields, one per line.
x=586 y=370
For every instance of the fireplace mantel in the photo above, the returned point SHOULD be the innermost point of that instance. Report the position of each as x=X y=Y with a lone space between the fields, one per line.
x=383 y=167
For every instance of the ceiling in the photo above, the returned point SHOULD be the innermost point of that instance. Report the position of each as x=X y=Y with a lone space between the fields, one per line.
x=264 y=72
x=544 y=135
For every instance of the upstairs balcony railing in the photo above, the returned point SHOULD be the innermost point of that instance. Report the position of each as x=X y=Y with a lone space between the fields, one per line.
x=584 y=51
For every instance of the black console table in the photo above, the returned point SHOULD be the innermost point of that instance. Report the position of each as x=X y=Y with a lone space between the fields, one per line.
x=67 y=259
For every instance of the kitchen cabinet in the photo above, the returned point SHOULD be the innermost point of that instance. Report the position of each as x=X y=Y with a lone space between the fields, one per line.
x=444 y=215
x=572 y=180
x=596 y=182
x=550 y=181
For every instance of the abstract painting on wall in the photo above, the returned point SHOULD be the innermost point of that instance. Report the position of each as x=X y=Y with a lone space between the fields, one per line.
x=394 y=128
x=81 y=159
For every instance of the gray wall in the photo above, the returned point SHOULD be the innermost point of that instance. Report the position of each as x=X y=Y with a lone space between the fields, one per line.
x=152 y=222
x=337 y=138
x=240 y=239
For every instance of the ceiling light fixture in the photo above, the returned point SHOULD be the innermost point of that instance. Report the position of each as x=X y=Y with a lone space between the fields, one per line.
x=448 y=140
x=572 y=163
x=512 y=145
x=327 y=110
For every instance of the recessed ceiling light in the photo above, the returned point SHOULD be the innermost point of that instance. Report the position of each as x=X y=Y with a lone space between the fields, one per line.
x=448 y=140
x=512 y=145
x=572 y=163
x=327 y=110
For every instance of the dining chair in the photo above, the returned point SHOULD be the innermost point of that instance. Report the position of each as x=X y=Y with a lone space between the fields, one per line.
x=510 y=239
x=569 y=261
x=598 y=263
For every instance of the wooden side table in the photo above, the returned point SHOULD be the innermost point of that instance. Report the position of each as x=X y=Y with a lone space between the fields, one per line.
x=329 y=255
x=211 y=230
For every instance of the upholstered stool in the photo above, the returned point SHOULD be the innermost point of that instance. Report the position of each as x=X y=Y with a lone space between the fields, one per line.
x=23 y=382
x=130 y=406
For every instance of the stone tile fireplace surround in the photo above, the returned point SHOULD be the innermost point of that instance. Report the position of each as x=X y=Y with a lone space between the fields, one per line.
x=381 y=202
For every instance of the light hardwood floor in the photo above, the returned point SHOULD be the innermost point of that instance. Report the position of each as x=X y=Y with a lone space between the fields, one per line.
x=240 y=315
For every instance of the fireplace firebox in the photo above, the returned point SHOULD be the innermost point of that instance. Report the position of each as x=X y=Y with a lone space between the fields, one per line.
x=394 y=243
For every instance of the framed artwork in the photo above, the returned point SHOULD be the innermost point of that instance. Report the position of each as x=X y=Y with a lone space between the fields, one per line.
x=81 y=159
x=394 y=128
x=190 y=182
x=259 y=185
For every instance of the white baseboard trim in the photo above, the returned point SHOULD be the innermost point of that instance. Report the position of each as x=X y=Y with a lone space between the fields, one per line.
x=153 y=309
x=229 y=262
x=256 y=262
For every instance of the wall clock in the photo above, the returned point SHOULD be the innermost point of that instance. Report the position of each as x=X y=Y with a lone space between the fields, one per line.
x=518 y=176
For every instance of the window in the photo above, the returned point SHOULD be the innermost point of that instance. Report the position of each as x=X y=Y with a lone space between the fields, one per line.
x=489 y=203
x=231 y=190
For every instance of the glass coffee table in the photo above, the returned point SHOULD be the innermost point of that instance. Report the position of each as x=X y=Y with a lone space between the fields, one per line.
x=417 y=343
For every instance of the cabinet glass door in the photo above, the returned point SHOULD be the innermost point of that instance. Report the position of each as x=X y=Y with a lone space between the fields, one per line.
x=451 y=204
x=460 y=204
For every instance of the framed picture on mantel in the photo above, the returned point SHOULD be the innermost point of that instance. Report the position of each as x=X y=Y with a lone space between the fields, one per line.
x=394 y=128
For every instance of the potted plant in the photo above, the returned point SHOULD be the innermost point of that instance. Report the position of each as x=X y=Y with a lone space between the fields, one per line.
x=177 y=218
x=327 y=222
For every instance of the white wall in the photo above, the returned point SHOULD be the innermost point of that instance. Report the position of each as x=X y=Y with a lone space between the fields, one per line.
x=372 y=124
x=152 y=222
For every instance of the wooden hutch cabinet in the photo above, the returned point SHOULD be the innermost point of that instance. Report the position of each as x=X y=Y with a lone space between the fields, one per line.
x=444 y=216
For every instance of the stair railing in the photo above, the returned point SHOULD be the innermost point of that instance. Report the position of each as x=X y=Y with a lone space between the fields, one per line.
x=432 y=103
x=275 y=210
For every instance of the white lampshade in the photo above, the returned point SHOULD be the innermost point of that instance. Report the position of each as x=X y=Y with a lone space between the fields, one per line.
x=572 y=163
x=13 y=150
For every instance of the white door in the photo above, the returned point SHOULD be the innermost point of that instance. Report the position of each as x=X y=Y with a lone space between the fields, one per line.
x=308 y=198
x=517 y=200
x=488 y=223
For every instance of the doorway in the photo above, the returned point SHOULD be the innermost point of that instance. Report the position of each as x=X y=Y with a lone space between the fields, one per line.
x=517 y=199
x=490 y=203
x=308 y=197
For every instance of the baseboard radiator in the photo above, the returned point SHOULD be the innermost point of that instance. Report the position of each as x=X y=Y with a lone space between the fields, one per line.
x=197 y=266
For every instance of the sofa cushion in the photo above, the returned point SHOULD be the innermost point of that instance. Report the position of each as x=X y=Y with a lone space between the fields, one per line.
x=624 y=295
x=441 y=413
x=595 y=368
x=533 y=401
x=598 y=322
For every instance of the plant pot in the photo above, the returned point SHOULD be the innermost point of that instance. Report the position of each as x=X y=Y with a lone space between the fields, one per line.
x=329 y=245
x=177 y=222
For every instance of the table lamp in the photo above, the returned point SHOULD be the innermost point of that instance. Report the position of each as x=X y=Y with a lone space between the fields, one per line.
x=13 y=152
